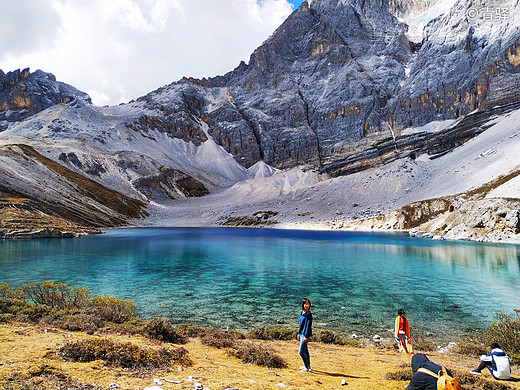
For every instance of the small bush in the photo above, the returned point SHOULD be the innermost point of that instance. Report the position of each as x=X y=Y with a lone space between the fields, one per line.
x=7 y=317
x=125 y=355
x=112 y=309
x=130 y=327
x=261 y=356
x=218 y=338
x=43 y=377
x=421 y=343
x=401 y=375
x=329 y=337
x=7 y=292
x=506 y=332
x=32 y=313
x=161 y=329
x=272 y=334
x=193 y=330
x=11 y=308
x=82 y=322
x=471 y=347
x=56 y=295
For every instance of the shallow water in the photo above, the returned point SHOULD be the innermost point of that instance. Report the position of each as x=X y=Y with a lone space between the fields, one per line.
x=244 y=278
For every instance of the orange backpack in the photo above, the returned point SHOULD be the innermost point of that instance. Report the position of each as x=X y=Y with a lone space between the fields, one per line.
x=444 y=381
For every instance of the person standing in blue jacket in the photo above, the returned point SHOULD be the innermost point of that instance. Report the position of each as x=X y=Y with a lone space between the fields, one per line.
x=304 y=334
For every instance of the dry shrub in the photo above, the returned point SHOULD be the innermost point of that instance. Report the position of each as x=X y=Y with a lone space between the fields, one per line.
x=43 y=377
x=56 y=295
x=272 y=334
x=13 y=306
x=261 y=356
x=470 y=381
x=421 y=343
x=112 y=309
x=219 y=338
x=7 y=292
x=192 y=330
x=471 y=347
x=130 y=327
x=160 y=329
x=125 y=355
x=328 y=336
x=401 y=375
x=506 y=332
x=82 y=322
x=32 y=313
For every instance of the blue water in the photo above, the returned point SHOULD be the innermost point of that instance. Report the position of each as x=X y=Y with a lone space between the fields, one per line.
x=245 y=278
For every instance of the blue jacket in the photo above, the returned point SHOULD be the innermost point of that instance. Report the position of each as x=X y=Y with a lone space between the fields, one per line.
x=305 y=324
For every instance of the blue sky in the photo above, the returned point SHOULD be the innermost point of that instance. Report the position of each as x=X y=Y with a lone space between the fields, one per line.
x=295 y=3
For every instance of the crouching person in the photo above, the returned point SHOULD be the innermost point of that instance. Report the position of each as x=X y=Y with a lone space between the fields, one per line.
x=497 y=362
x=430 y=376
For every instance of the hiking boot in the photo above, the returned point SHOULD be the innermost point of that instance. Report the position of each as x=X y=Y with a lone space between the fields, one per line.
x=475 y=372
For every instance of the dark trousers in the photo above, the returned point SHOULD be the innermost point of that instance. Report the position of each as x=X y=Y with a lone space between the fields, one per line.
x=483 y=365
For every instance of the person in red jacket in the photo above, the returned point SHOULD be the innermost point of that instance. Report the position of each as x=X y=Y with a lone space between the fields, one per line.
x=402 y=333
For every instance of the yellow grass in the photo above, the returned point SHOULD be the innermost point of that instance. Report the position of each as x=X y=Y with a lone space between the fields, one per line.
x=29 y=348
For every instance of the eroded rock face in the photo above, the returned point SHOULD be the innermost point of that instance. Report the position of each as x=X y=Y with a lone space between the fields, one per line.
x=454 y=217
x=23 y=94
x=464 y=64
x=339 y=79
x=57 y=191
x=170 y=184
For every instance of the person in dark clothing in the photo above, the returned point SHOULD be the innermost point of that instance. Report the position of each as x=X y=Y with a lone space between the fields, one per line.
x=304 y=333
x=422 y=380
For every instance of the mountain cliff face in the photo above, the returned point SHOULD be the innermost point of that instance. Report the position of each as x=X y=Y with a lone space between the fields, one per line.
x=340 y=87
x=23 y=94
x=316 y=86
x=339 y=76
x=469 y=60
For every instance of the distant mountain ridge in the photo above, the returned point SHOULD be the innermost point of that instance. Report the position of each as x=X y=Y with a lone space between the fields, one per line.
x=338 y=88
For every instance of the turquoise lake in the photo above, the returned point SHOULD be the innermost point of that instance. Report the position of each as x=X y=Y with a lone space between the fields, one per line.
x=245 y=278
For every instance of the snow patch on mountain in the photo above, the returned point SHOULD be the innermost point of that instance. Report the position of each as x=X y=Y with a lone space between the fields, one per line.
x=416 y=21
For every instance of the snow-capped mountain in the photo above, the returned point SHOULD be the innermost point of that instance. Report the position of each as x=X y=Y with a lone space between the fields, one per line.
x=342 y=88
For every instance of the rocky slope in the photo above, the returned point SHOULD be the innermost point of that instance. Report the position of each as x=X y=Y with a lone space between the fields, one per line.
x=24 y=218
x=340 y=91
x=468 y=216
x=55 y=200
x=23 y=94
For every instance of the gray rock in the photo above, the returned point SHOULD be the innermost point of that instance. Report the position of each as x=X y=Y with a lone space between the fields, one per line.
x=23 y=94
x=512 y=220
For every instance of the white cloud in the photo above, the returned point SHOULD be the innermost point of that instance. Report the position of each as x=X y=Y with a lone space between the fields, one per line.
x=119 y=50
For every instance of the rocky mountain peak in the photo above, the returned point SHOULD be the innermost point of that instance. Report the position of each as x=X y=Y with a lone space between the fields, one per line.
x=338 y=88
x=23 y=94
